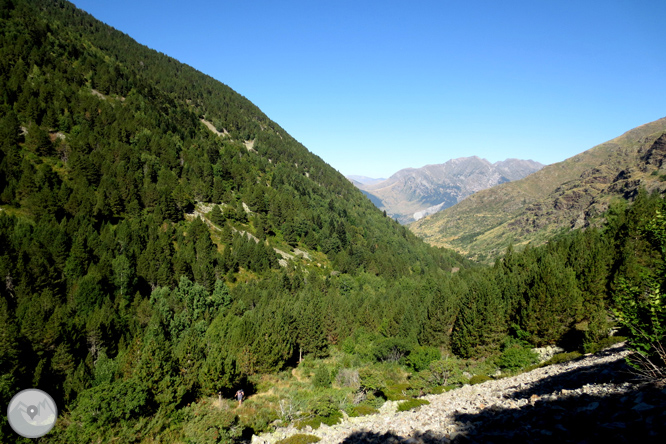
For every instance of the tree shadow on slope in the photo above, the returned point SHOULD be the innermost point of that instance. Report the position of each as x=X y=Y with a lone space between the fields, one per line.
x=366 y=437
x=557 y=410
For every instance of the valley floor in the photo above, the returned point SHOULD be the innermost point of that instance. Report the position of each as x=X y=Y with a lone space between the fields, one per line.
x=593 y=399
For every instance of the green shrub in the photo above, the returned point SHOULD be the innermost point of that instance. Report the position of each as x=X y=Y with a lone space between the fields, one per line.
x=395 y=392
x=446 y=371
x=391 y=349
x=319 y=420
x=478 y=379
x=300 y=438
x=363 y=410
x=324 y=410
x=322 y=378
x=208 y=424
x=412 y=404
x=375 y=401
x=306 y=365
x=348 y=346
x=361 y=344
x=261 y=419
x=349 y=361
x=372 y=380
x=563 y=357
x=603 y=344
x=515 y=358
x=419 y=384
x=421 y=357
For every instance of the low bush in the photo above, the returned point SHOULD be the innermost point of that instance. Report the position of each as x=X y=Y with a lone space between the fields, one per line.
x=319 y=420
x=324 y=410
x=516 y=358
x=478 y=379
x=300 y=438
x=563 y=357
x=421 y=357
x=395 y=392
x=259 y=418
x=363 y=410
x=604 y=343
x=374 y=401
x=412 y=404
x=438 y=390
x=391 y=349
x=207 y=424
x=372 y=379
x=322 y=378
x=446 y=371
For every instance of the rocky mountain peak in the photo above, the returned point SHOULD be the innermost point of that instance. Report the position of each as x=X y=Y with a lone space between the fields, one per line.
x=413 y=193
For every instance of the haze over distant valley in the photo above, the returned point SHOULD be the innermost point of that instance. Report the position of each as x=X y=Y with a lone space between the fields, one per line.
x=413 y=193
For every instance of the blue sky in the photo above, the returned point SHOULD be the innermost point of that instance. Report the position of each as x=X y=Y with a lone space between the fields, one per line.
x=376 y=86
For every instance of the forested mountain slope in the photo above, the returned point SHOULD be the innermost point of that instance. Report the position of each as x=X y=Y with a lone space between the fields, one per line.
x=565 y=195
x=111 y=282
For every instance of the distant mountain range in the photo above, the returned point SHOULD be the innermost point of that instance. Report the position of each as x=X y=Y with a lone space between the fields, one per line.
x=569 y=194
x=413 y=193
x=363 y=180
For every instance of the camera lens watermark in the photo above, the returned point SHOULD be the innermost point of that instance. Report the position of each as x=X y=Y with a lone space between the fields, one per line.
x=32 y=413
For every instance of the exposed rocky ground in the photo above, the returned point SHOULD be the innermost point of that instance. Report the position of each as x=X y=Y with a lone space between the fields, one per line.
x=593 y=399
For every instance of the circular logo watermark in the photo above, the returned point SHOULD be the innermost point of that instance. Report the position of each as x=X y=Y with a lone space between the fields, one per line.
x=32 y=413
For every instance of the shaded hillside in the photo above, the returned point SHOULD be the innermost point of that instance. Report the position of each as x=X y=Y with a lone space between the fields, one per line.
x=562 y=196
x=413 y=193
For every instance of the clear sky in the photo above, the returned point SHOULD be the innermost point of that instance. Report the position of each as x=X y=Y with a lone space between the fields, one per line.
x=376 y=86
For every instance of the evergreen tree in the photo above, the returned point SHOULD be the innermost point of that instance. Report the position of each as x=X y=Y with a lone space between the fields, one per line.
x=552 y=303
x=440 y=315
x=216 y=216
x=482 y=320
x=37 y=140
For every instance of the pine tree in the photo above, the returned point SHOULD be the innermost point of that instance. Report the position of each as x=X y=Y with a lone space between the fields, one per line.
x=552 y=303
x=482 y=320
x=440 y=315
x=37 y=140
x=216 y=216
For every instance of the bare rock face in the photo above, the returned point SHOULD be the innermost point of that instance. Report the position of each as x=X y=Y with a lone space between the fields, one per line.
x=411 y=193
x=656 y=153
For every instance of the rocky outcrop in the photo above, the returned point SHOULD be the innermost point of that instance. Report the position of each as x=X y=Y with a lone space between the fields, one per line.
x=656 y=153
x=593 y=399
